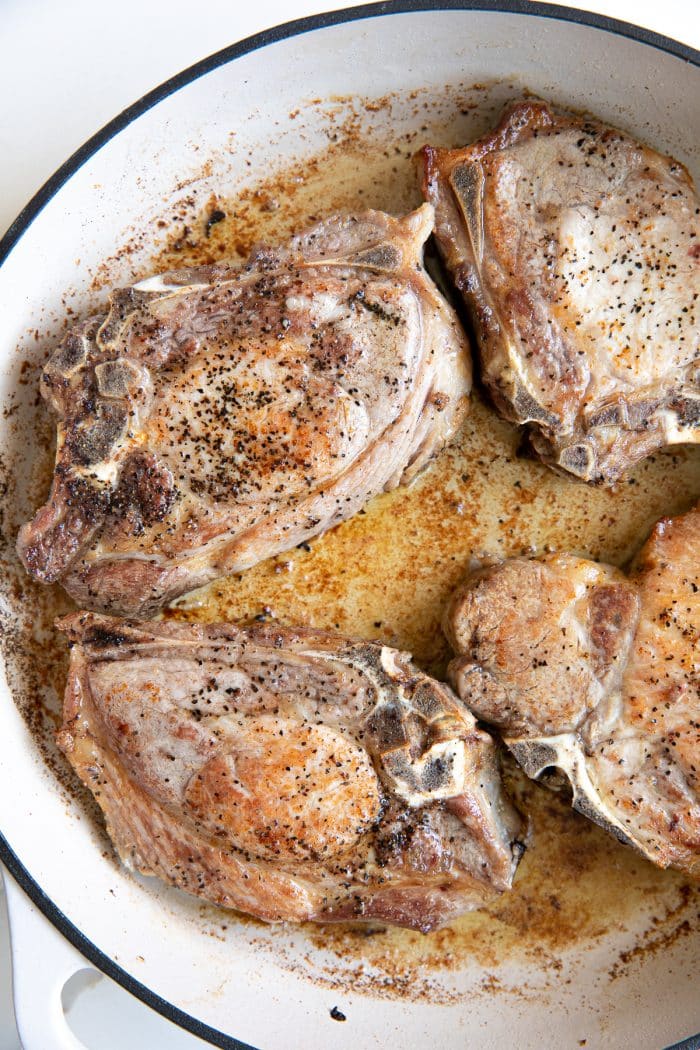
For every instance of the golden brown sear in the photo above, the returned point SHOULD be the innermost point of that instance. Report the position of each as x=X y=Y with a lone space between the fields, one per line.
x=289 y=773
x=597 y=674
x=219 y=415
x=576 y=251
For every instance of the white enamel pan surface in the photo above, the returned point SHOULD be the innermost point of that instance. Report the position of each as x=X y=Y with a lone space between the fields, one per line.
x=212 y=127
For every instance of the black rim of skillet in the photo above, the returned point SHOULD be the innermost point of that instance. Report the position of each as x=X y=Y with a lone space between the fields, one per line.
x=253 y=43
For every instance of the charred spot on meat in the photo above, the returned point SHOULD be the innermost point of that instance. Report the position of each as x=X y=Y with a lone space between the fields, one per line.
x=217 y=416
x=289 y=773
x=597 y=673
x=575 y=249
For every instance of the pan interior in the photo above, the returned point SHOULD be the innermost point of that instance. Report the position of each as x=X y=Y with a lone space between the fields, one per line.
x=581 y=901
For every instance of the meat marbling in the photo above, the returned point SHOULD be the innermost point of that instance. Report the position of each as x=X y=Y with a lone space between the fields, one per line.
x=217 y=416
x=289 y=773
x=576 y=250
x=597 y=674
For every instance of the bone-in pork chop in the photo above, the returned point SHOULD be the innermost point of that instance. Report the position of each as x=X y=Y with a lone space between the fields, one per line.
x=577 y=252
x=289 y=773
x=217 y=416
x=597 y=674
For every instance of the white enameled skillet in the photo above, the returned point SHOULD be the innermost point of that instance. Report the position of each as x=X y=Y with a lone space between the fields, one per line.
x=243 y=985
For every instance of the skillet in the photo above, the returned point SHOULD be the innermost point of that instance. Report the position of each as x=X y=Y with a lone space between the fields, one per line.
x=622 y=970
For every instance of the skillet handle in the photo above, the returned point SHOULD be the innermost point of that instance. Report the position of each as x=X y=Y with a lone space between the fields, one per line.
x=42 y=962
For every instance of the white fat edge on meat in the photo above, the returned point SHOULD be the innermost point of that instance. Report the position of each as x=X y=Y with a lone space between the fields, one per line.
x=135 y=555
x=158 y=283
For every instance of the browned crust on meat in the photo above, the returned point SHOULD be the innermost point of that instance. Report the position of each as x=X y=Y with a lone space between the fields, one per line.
x=548 y=387
x=291 y=797
x=220 y=415
x=598 y=675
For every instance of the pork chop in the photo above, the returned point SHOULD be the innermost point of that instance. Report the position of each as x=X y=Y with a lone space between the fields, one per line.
x=576 y=250
x=289 y=773
x=217 y=416
x=597 y=674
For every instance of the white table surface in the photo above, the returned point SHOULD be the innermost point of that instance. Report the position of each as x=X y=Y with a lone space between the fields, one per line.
x=67 y=67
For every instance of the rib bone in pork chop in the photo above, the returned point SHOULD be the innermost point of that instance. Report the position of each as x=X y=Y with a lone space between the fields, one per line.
x=597 y=674
x=577 y=251
x=217 y=416
x=288 y=773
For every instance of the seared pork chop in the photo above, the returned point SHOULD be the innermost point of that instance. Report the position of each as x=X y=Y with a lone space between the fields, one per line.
x=217 y=416
x=597 y=674
x=288 y=773
x=577 y=251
